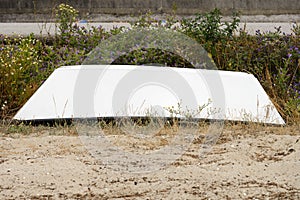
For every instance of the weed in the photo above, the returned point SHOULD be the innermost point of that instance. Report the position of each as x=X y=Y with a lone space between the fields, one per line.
x=272 y=57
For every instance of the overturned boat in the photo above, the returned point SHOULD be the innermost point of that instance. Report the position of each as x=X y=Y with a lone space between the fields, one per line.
x=98 y=91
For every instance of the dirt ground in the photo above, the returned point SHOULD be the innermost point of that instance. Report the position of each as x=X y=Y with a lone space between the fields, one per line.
x=248 y=162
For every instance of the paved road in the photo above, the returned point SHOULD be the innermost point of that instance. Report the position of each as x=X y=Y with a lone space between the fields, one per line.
x=46 y=28
x=49 y=28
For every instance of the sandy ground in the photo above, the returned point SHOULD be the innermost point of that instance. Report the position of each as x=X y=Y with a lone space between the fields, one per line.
x=248 y=162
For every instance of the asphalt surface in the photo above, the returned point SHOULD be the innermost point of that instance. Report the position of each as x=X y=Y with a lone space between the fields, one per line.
x=50 y=28
x=46 y=28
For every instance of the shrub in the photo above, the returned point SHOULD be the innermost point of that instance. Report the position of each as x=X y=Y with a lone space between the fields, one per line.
x=66 y=16
x=209 y=30
x=20 y=75
x=273 y=57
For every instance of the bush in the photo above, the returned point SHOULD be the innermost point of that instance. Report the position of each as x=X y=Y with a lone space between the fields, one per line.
x=20 y=73
x=208 y=29
x=273 y=57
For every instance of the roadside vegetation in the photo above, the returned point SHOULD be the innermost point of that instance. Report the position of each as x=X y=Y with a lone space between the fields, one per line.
x=273 y=57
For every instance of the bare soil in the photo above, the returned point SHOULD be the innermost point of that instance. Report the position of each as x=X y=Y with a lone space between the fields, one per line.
x=248 y=162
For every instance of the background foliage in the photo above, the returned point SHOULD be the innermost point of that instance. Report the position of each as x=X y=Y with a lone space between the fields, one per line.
x=273 y=57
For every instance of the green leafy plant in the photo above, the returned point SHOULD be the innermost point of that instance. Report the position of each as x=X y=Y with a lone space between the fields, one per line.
x=273 y=57
x=20 y=63
x=66 y=16
x=208 y=29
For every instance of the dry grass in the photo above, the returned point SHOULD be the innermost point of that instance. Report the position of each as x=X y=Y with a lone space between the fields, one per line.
x=160 y=134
